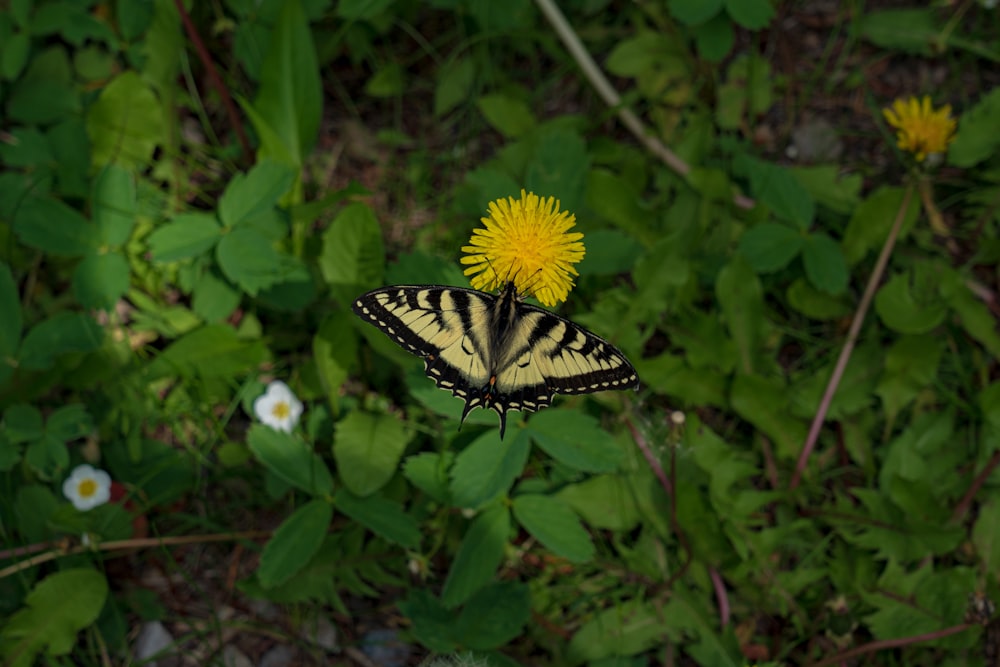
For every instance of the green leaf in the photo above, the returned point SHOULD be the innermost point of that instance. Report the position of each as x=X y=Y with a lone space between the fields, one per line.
x=69 y=422
x=57 y=608
x=255 y=192
x=38 y=100
x=623 y=629
x=62 y=333
x=186 y=235
x=741 y=299
x=114 y=204
x=47 y=457
x=23 y=423
x=294 y=543
x=71 y=152
x=908 y=303
x=211 y=351
x=555 y=525
x=914 y=31
x=382 y=516
x=809 y=301
x=575 y=439
x=53 y=227
x=830 y=187
x=249 y=259
x=494 y=616
x=693 y=12
x=362 y=10
x=387 y=81
x=353 y=257
x=974 y=316
x=11 y=324
x=609 y=253
x=978 y=133
x=291 y=459
x=770 y=247
x=872 y=219
x=559 y=166
x=825 y=265
x=26 y=147
x=99 y=281
x=510 y=117
x=14 y=55
x=751 y=14
x=290 y=101
x=604 y=501
x=433 y=623
x=714 y=38
x=34 y=507
x=614 y=197
x=213 y=298
x=126 y=123
x=479 y=555
x=335 y=351
x=428 y=471
x=764 y=402
x=910 y=365
x=454 y=84
x=367 y=449
x=778 y=188
x=488 y=467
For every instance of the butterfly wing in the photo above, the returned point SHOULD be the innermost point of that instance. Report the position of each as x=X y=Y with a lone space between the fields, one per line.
x=448 y=327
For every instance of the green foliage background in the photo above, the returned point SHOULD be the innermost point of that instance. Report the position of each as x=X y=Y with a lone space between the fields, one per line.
x=192 y=196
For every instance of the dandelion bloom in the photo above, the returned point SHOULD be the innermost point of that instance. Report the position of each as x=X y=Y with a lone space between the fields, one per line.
x=278 y=407
x=87 y=487
x=525 y=241
x=920 y=129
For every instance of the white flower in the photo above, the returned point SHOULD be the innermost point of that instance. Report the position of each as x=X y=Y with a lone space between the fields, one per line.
x=277 y=407
x=87 y=487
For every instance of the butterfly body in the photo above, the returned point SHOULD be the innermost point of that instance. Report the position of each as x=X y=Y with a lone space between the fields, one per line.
x=495 y=351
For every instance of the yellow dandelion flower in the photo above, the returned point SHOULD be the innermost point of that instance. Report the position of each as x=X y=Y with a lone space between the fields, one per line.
x=525 y=241
x=920 y=129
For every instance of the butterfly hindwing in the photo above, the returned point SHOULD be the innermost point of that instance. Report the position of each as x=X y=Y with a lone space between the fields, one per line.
x=495 y=351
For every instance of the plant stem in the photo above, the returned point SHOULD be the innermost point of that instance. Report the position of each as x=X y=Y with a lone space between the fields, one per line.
x=852 y=337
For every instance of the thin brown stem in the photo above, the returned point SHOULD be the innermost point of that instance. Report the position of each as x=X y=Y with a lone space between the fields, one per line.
x=884 y=644
x=963 y=505
x=852 y=338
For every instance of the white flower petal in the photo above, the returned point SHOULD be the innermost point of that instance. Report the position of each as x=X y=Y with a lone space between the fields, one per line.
x=97 y=482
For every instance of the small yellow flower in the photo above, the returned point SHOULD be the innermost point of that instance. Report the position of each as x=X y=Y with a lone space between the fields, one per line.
x=919 y=128
x=525 y=241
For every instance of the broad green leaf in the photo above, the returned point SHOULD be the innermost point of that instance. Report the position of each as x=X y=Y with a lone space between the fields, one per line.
x=911 y=364
x=11 y=324
x=872 y=219
x=428 y=471
x=63 y=332
x=622 y=629
x=213 y=298
x=494 y=616
x=294 y=543
x=558 y=167
x=33 y=508
x=777 y=187
x=249 y=259
x=433 y=623
x=604 y=501
x=99 y=281
x=48 y=457
x=23 y=423
x=488 y=467
x=353 y=257
x=714 y=38
x=26 y=147
x=290 y=459
x=509 y=116
x=367 y=449
x=480 y=554
x=609 y=252
x=575 y=439
x=211 y=351
x=693 y=12
x=14 y=55
x=126 y=123
x=39 y=100
x=382 y=516
x=909 y=303
x=290 y=98
x=454 y=84
x=750 y=14
x=71 y=150
x=915 y=31
x=764 y=402
x=53 y=227
x=186 y=235
x=770 y=246
x=335 y=351
x=114 y=204
x=69 y=423
x=978 y=133
x=255 y=192
x=555 y=525
x=57 y=608
x=10 y=454
x=615 y=198
x=387 y=81
x=813 y=303
x=741 y=298
x=974 y=316
x=670 y=374
x=825 y=265
x=830 y=187
x=986 y=534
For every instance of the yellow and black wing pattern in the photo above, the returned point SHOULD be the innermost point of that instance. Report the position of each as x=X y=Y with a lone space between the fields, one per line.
x=494 y=351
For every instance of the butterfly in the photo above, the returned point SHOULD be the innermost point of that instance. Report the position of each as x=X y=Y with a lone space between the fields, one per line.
x=495 y=351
